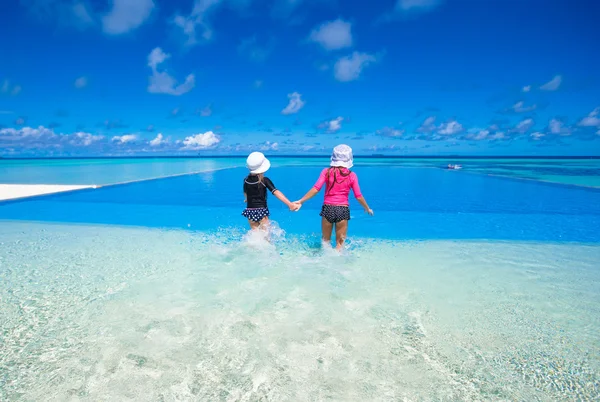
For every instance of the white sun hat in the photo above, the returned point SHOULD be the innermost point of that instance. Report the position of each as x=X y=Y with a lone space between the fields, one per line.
x=342 y=156
x=257 y=163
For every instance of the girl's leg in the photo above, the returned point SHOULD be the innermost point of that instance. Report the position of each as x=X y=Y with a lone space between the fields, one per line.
x=326 y=229
x=264 y=223
x=341 y=230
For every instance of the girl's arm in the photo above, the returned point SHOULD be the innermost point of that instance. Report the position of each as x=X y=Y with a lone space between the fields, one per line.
x=311 y=193
x=292 y=206
x=361 y=200
x=271 y=187
x=358 y=194
x=245 y=197
x=315 y=189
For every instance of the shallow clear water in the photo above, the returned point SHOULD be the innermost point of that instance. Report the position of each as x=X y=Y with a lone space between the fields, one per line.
x=113 y=313
x=461 y=287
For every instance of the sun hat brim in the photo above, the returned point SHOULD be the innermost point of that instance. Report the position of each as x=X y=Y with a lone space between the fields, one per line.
x=264 y=166
x=347 y=165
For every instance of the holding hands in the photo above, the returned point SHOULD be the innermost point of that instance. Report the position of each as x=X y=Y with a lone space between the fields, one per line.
x=295 y=206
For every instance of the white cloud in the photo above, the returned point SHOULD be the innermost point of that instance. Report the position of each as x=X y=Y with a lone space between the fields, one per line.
x=124 y=139
x=332 y=126
x=428 y=125
x=383 y=148
x=253 y=50
x=527 y=88
x=26 y=133
x=537 y=136
x=82 y=14
x=74 y=13
x=197 y=18
x=200 y=141
x=553 y=84
x=206 y=111
x=592 y=119
x=450 y=128
x=264 y=146
x=188 y=28
x=26 y=140
x=350 y=67
x=390 y=132
x=163 y=83
x=294 y=105
x=43 y=138
x=7 y=88
x=481 y=135
x=417 y=5
x=81 y=82
x=156 y=57
x=269 y=146
x=126 y=15
x=557 y=127
x=84 y=139
x=524 y=126
x=335 y=125
x=158 y=141
x=520 y=107
x=333 y=35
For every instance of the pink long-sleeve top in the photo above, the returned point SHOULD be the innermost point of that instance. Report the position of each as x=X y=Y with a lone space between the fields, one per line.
x=338 y=185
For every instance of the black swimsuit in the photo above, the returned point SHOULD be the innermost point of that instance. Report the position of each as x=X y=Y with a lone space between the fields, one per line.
x=256 y=197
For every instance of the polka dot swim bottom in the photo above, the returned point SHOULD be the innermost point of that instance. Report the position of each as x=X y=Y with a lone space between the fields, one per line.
x=335 y=213
x=256 y=214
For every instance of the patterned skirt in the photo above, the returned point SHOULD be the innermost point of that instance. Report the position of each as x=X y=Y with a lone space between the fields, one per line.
x=256 y=214
x=335 y=213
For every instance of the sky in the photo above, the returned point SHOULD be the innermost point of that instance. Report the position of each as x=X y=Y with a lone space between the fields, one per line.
x=213 y=77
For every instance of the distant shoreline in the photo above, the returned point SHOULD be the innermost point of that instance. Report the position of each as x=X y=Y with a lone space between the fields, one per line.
x=303 y=157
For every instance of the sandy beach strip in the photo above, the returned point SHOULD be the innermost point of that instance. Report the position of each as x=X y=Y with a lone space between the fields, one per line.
x=15 y=191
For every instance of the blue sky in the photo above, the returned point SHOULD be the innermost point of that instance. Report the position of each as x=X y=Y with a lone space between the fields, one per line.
x=406 y=77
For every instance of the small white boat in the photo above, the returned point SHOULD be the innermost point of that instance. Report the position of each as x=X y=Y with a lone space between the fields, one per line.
x=453 y=167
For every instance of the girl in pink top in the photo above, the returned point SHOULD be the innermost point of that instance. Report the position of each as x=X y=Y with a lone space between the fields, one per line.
x=338 y=180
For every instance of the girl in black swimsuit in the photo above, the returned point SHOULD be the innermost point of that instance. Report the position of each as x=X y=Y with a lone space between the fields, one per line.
x=255 y=191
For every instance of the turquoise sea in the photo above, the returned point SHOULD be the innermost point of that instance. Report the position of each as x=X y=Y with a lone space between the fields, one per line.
x=114 y=170
x=477 y=284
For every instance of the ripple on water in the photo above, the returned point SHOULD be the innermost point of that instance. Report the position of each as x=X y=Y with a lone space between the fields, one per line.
x=97 y=313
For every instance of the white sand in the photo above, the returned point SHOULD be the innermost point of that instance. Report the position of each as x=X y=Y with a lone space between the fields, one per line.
x=14 y=191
